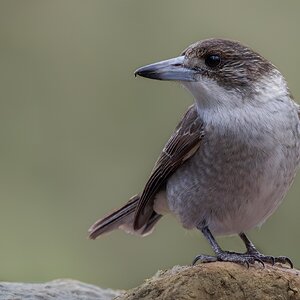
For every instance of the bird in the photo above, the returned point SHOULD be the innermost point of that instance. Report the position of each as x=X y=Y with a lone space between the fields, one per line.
x=231 y=159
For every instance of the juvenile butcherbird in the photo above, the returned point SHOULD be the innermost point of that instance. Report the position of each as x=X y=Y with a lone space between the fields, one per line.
x=231 y=159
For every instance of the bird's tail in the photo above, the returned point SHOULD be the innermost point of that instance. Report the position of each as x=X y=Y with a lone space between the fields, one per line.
x=122 y=218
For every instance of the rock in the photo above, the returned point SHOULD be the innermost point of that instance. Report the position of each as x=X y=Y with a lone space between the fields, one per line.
x=217 y=280
x=220 y=281
x=61 y=289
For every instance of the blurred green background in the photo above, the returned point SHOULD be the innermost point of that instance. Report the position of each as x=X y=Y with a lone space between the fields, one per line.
x=79 y=134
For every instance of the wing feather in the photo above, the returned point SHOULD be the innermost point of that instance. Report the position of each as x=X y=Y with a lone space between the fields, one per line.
x=184 y=142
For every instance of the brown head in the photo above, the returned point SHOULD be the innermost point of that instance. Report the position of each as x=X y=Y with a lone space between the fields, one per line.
x=220 y=63
x=230 y=63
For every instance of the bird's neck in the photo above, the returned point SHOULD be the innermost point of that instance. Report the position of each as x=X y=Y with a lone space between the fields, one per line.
x=268 y=97
x=228 y=113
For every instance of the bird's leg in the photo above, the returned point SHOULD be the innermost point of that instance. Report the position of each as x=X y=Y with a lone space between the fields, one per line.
x=221 y=255
x=216 y=248
x=252 y=251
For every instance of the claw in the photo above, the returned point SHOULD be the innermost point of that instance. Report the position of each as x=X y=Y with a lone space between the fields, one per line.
x=273 y=260
x=204 y=259
x=289 y=262
x=247 y=264
x=260 y=261
x=284 y=260
x=198 y=257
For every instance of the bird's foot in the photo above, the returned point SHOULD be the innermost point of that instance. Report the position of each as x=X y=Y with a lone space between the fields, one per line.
x=268 y=258
x=248 y=258
x=239 y=258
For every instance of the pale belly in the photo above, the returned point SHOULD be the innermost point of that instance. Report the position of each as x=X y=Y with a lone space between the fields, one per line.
x=231 y=188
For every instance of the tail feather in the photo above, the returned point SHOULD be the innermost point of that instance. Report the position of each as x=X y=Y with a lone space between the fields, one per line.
x=122 y=218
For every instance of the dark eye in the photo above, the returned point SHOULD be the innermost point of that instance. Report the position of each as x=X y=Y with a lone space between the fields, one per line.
x=212 y=60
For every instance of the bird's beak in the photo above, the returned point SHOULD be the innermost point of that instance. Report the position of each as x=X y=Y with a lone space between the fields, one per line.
x=171 y=69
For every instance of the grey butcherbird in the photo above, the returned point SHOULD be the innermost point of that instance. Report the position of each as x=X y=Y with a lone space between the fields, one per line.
x=231 y=159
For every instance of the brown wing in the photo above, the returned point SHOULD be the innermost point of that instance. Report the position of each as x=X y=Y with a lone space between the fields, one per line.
x=183 y=143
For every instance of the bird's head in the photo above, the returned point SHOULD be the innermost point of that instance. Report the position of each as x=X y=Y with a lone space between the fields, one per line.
x=220 y=70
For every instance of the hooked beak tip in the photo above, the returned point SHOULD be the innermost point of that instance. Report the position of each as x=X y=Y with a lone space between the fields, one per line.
x=142 y=71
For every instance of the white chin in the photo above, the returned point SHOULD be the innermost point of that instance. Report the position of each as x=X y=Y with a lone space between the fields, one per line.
x=208 y=93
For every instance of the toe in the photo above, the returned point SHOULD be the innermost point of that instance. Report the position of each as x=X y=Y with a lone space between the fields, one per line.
x=204 y=259
x=284 y=260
